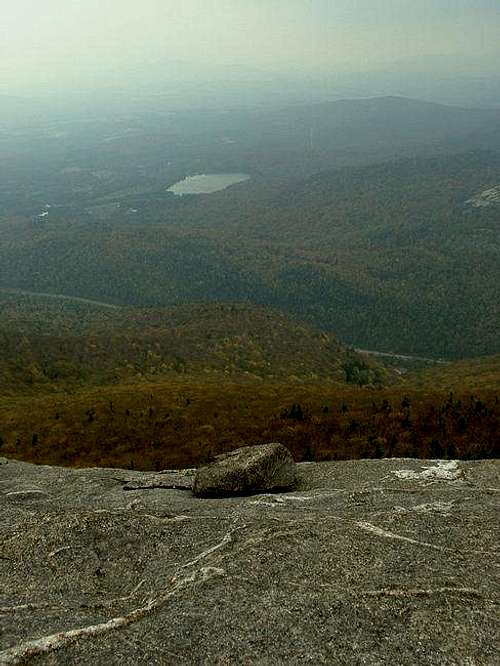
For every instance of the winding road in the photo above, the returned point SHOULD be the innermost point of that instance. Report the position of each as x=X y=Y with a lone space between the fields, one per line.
x=61 y=297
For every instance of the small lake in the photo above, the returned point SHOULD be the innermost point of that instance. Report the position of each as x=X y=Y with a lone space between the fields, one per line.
x=207 y=183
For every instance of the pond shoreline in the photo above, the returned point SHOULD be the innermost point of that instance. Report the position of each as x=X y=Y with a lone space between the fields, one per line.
x=207 y=183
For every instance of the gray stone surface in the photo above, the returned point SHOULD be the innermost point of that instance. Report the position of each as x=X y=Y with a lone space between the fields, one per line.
x=247 y=470
x=366 y=562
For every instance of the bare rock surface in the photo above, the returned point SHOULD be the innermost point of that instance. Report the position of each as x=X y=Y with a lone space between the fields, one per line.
x=365 y=562
x=247 y=470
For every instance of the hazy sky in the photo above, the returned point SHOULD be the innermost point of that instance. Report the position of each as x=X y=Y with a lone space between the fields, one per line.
x=52 y=43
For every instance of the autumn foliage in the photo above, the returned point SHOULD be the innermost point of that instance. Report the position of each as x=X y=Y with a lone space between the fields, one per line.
x=184 y=423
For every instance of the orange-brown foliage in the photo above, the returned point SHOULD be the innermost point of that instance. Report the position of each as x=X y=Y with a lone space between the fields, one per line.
x=184 y=423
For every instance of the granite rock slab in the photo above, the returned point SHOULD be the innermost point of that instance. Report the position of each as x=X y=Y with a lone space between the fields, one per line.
x=364 y=562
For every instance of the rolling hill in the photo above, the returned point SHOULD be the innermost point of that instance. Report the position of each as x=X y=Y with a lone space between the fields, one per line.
x=50 y=344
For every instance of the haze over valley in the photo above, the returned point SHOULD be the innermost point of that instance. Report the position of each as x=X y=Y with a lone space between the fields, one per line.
x=190 y=200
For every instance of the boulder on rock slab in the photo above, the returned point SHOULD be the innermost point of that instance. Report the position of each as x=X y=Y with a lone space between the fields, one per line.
x=248 y=470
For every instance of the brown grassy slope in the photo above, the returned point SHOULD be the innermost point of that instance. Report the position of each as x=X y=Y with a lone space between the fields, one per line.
x=472 y=374
x=184 y=422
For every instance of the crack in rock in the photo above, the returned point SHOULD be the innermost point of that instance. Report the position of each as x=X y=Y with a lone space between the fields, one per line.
x=28 y=649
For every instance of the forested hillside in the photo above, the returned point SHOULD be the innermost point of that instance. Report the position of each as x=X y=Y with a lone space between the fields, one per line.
x=47 y=346
x=394 y=257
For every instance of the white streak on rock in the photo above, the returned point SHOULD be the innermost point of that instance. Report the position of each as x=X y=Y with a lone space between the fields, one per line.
x=444 y=508
x=274 y=500
x=368 y=527
x=227 y=539
x=263 y=503
x=25 y=492
x=58 y=550
x=60 y=607
x=208 y=572
x=18 y=654
x=301 y=498
x=467 y=591
x=443 y=471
